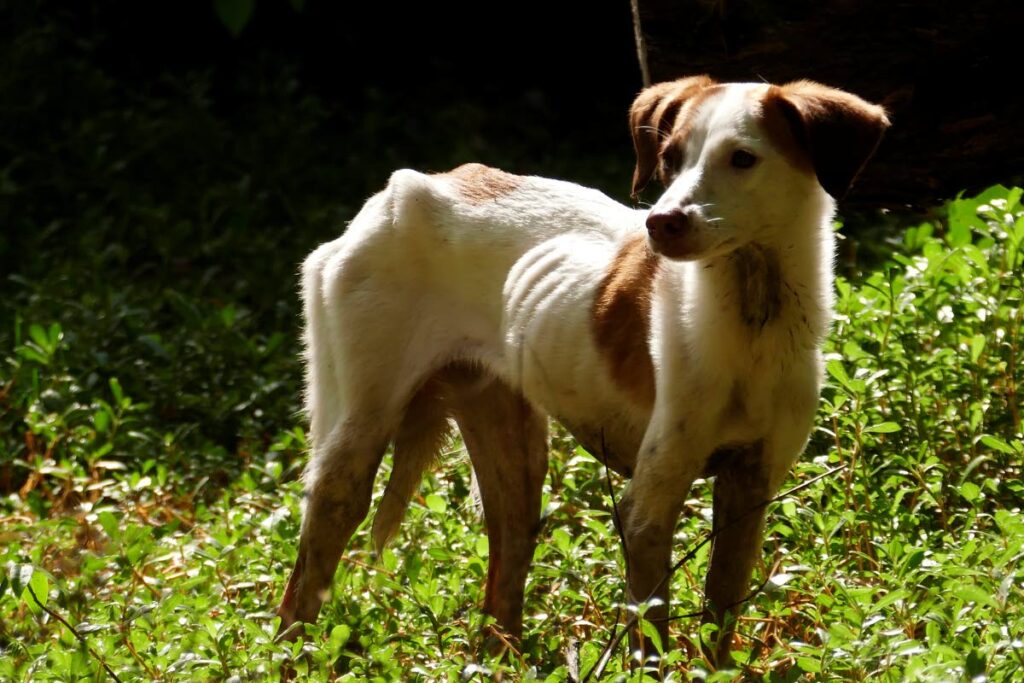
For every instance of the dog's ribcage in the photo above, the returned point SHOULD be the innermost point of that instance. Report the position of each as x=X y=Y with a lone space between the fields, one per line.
x=506 y=283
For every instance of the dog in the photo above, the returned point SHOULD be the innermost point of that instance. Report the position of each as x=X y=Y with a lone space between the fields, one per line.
x=678 y=342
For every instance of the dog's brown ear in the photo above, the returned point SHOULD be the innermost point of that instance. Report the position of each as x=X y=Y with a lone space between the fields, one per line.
x=651 y=119
x=838 y=131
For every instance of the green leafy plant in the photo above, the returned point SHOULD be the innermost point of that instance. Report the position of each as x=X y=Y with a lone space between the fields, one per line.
x=904 y=565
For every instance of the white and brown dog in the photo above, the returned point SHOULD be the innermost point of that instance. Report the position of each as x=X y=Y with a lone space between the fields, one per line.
x=675 y=343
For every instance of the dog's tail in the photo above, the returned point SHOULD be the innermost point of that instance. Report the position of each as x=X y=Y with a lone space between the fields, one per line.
x=420 y=437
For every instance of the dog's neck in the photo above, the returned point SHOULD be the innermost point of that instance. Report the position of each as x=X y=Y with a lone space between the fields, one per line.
x=767 y=285
x=758 y=283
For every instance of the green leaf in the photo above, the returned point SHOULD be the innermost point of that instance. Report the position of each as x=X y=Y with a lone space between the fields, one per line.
x=55 y=334
x=977 y=345
x=115 y=389
x=39 y=336
x=838 y=372
x=963 y=218
x=339 y=636
x=651 y=631
x=975 y=663
x=234 y=14
x=33 y=353
x=1013 y=198
x=970 y=491
x=110 y=524
x=882 y=428
x=101 y=420
x=435 y=503
x=996 y=444
x=20 y=575
x=811 y=666
x=974 y=593
x=561 y=540
x=39 y=584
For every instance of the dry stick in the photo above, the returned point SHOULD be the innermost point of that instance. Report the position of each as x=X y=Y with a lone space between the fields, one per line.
x=618 y=635
x=641 y=44
x=74 y=632
x=572 y=660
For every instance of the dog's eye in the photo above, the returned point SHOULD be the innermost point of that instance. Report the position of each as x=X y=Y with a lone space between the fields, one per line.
x=741 y=158
x=672 y=158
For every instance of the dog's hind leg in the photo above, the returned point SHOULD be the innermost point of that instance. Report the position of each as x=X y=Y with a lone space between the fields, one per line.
x=507 y=443
x=339 y=485
x=742 y=487
x=420 y=437
x=354 y=396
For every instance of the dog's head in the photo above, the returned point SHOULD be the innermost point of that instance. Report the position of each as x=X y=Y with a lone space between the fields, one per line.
x=741 y=160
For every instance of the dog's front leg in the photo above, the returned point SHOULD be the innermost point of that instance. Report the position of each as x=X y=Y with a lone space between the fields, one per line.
x=742 y=487
x=744 y=483
x=666 y=468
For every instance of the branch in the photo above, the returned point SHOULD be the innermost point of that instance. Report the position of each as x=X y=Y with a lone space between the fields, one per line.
x=96 y=655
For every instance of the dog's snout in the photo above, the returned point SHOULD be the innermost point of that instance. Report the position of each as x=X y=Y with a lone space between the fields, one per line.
x=667 y=224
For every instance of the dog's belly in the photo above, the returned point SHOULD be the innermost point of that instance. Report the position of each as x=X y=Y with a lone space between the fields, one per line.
x=612 y=438
x=550 y=352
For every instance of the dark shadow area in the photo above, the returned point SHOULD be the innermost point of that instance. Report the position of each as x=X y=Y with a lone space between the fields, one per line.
x=161 y=180
x=944 y=69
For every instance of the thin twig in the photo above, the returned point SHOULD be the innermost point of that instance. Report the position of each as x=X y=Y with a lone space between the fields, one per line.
x=617 y=635
x=615 y=503
x=74 y=632
x=138 y=658
x=617 y=520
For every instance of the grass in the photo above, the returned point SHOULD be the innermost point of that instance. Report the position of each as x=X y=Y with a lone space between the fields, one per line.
x=903 y=566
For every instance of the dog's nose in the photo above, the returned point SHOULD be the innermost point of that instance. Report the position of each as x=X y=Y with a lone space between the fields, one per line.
x=673 y=223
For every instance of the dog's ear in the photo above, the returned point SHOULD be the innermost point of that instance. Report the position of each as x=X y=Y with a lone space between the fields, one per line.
x=837 y=131
x=651 y=119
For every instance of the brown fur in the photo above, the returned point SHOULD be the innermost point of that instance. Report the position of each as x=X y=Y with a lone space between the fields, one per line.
x=759 y=278
x=687 y=119
x=837 y=131
x=422 y=433
x=781 y=134
x=622 y=318
x=478 y=184
x=653 y=117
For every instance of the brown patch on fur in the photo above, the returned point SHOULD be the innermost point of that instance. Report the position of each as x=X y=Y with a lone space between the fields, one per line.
x=759 y=280
x=686 y=119
x=622 y=318
x=653 y=117
x=780 y=133
x=836 y=131
x=477 y=183
x=735 y=457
